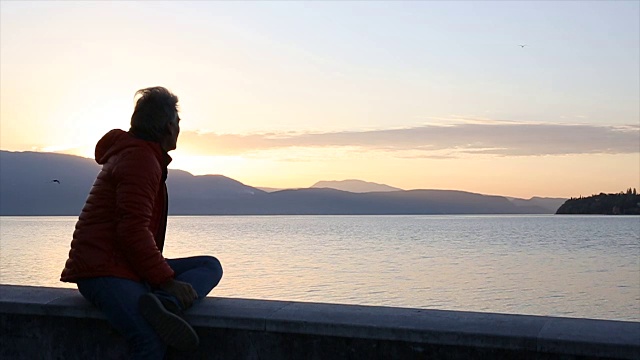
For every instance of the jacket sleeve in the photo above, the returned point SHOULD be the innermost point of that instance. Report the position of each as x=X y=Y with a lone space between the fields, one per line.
x=137 y=176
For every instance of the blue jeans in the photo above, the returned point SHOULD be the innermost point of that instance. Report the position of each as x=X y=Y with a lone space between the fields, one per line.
x=118 y=299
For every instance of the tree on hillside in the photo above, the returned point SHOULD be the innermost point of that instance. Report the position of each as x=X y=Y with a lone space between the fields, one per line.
x=623 y=203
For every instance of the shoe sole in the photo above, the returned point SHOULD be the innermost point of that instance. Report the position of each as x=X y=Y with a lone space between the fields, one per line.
x=171 y=328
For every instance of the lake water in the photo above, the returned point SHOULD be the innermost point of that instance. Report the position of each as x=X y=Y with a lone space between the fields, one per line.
x=575 y=266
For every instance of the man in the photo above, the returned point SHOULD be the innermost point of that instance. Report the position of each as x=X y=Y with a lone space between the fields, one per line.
x=116 y=253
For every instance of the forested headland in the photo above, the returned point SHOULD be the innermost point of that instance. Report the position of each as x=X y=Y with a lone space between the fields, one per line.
x=623 y=203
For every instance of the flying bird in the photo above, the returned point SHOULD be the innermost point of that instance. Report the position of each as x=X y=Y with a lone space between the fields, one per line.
x=56 y=181
x=523 y=45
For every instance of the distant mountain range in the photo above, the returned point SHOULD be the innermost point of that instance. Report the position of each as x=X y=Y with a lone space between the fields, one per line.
x=27 y=188
x=355 y=186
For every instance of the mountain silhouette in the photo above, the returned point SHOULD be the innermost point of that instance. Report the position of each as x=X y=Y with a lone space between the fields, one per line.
x=356 y=186
x=547 y=203
x=26 y=189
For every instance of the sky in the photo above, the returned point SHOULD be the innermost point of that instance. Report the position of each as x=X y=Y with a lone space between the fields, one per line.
x=415 y=95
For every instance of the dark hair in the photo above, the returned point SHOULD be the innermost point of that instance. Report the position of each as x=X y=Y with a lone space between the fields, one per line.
x=155 y=108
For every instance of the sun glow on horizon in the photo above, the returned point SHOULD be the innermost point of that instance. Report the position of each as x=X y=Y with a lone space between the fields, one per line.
x=206 y=164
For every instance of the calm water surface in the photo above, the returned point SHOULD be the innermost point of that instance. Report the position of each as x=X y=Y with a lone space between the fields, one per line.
x=576 y=266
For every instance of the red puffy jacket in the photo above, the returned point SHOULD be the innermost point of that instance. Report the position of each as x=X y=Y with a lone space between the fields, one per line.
x=121 y=229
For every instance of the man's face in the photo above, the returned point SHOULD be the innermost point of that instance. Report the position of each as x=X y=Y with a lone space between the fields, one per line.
x=171 y=140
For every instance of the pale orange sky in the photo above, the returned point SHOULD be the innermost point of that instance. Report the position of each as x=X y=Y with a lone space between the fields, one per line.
x=416 y=95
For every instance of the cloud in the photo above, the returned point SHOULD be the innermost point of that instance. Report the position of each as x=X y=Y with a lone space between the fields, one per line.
x=503 y=139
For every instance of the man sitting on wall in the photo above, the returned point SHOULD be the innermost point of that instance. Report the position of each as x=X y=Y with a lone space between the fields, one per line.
x=116 y=252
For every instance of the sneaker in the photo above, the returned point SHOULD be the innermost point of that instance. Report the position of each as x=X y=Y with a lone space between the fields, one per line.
x=171 y=328
x=172 y=307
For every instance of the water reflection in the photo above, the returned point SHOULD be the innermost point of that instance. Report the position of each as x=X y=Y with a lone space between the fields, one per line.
x=546 y=265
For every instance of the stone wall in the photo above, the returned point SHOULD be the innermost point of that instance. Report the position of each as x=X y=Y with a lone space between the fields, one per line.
x=55 y=323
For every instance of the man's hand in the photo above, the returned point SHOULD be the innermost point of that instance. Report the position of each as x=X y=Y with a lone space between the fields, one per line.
x=183 y=291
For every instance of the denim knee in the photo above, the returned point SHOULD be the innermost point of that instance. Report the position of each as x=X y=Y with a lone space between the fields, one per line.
x=214 y=264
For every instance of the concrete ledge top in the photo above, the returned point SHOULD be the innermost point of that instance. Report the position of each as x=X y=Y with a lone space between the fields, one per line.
x=583 y=337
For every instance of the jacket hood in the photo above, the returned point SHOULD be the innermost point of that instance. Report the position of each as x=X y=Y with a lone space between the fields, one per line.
x=116 y=140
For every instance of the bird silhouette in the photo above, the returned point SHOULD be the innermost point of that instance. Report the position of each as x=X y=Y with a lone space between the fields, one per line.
x=56 y=181
x=523 y=45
